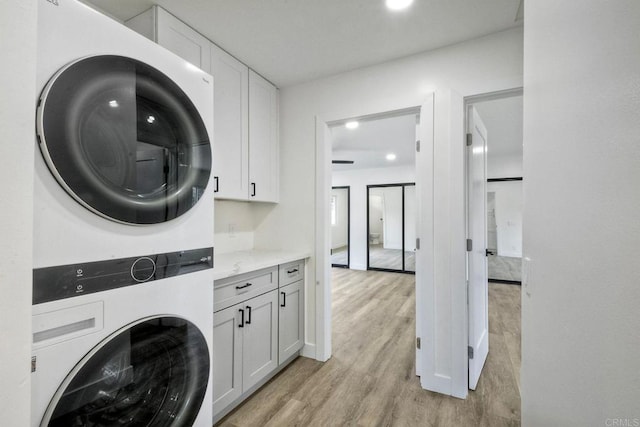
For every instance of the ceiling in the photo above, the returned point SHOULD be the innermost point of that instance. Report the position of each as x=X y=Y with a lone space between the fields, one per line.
x=369 y=144
x=294 y=41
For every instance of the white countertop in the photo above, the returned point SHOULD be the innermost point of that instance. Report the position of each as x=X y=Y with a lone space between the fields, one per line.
x=234 y=263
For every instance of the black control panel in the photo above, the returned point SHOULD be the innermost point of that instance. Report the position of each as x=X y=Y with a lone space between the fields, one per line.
x=66 y=281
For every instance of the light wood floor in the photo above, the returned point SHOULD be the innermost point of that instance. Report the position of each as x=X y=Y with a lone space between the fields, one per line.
x=380 y=257
x=370 y=380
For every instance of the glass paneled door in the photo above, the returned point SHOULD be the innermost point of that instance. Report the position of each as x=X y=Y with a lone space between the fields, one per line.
x=340 y=212
x=391 y=227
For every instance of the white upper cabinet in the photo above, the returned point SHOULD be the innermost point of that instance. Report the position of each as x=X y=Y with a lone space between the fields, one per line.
x=263 y=140
x=231 y=124
x=245 y=140
x=168 y=31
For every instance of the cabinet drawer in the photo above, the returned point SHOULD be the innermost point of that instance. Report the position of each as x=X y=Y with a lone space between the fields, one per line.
x=233 y=290
x=291 y=272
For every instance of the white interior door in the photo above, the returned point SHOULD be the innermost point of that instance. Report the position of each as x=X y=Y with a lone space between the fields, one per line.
x=477 y=232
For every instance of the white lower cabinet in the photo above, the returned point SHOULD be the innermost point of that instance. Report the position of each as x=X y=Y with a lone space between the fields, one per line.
x=260 y=338
x=245 y=350
x=291 y=318
x=257 y=329
x=227 y=360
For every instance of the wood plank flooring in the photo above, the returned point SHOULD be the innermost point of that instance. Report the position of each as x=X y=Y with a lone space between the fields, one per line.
x=379 y=257
x=370 y=379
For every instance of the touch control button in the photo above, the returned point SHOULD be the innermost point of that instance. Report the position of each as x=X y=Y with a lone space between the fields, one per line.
x=143 y=269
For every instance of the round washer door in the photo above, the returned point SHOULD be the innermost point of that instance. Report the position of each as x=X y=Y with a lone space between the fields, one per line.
x=124 y=140
x=153 y=373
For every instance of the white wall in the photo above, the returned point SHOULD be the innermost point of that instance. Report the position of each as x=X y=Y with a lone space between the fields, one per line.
x=580 y=308
x=508 y=210
x=482 y=65
x=235 y=224
x=508 y=201
x=339 y=231
x=503 y=166
x=17 y=118
x=358 y=180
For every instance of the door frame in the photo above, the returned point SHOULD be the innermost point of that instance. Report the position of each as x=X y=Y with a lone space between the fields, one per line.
x=322 y=261
x=470 y=101
x=348 y=188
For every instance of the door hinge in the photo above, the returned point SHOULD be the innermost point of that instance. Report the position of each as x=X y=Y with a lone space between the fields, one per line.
x=469 y=245
x=470 y=351
x=418 y=146
x=33 y=363
x=469 y=140
x=418 y=243
x=418 y=343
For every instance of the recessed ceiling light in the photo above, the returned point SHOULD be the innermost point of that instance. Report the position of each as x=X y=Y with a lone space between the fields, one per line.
x=398 y=4
x=391 y=156
x=113 y=103
x=351 y=125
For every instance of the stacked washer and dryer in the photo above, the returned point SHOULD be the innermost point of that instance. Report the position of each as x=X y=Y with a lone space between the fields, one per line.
x=123 y=233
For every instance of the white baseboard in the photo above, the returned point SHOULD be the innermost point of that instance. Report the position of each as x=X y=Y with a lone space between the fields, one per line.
x=309 y=350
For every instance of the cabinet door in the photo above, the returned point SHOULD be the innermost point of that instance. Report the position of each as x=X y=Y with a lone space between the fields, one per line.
x=263 y=140
x=182 y=40
x=260 y=338
x=231 y=125
x=227 y=357
x=291 y=320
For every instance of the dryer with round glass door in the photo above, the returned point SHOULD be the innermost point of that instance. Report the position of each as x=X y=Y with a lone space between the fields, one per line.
x=124 y=133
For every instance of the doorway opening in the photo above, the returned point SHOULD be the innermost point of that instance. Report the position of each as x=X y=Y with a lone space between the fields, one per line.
x=391 y=227
x=494 y=213
x=370 y=150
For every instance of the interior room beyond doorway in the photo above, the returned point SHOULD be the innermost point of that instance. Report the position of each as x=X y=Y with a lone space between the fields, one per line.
x=373 y=151
x=504 y=173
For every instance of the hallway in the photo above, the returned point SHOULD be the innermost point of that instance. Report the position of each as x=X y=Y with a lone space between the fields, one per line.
x=370 y=379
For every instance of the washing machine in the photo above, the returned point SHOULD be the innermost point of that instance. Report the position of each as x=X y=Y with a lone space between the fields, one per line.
x=123 y=228
x=134 y=350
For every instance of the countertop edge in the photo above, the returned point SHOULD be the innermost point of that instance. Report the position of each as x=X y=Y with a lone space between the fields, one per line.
x=235 y=263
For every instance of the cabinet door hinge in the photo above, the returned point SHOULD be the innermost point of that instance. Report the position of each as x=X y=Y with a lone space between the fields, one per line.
x=470 y=351
x=469 y=140
x=469 y=245
x=418 y=343
x=418 y=243
x=418 y=146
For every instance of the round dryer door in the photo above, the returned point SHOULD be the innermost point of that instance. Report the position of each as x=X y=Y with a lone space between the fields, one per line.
x=154 y=373
x=124 y=140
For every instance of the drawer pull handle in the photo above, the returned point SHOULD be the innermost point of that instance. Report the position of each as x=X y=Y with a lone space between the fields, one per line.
x=253 y=189
x=215 y=188
x=293 y=270
x=244 y=286
x=248 y=315
x=241 y=325
x=284 y=299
